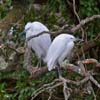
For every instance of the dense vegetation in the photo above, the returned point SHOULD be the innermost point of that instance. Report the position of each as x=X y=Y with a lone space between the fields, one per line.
x=17 y=84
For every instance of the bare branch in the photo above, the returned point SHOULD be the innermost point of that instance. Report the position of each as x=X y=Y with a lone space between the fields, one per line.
x=95 y=82
x=85 y=21
x=78 y=18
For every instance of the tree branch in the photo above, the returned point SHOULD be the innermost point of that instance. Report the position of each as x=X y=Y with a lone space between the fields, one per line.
x=85 y=21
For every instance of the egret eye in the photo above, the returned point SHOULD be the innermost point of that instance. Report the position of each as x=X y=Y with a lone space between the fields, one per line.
x=71 y=38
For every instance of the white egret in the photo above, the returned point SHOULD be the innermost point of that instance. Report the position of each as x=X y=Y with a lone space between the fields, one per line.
x=60 y=49
x=41 y=43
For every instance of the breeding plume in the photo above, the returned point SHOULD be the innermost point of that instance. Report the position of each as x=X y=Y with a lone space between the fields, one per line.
x=60 y=49
x=41 y=43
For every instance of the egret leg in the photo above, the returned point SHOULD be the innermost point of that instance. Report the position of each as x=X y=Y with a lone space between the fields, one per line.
x=59 y=71
x=39 y=62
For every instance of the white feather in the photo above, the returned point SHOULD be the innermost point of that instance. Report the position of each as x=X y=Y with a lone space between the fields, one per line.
x=60 y=48
x=41 y=43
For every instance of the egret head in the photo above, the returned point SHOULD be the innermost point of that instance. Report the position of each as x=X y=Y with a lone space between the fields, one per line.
x=72 y=38
x=27 y=26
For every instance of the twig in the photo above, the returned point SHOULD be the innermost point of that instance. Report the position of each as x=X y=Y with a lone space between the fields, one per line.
x=46 y=87
x=83 y=81
x=85 y=21
x=78 y=18
x=94 y=95
x=63 y=81
x=50 y=96
x=66 y=91
x=94 y=81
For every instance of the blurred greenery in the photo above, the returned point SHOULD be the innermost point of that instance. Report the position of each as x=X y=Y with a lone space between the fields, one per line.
x=17 y=85
x=4 y=8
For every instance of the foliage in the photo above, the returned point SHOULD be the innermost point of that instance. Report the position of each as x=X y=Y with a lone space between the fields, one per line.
x=4 y=8
x=23 y=87
x=89 y=8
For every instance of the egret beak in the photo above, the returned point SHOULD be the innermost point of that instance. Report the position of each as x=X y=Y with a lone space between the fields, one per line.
x=80 y=40
x=21 y=35
x=23 y=32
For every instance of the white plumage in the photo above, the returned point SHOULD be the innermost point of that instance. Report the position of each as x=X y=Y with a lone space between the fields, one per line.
x=41 y=43
x=60 y=49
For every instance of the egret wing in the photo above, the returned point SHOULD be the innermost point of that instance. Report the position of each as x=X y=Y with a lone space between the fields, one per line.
x=54 y=52
x=45 y=41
